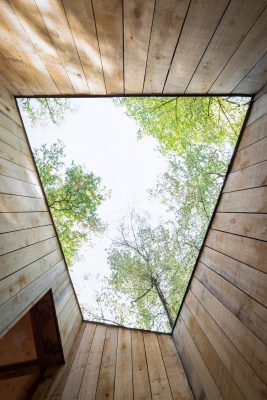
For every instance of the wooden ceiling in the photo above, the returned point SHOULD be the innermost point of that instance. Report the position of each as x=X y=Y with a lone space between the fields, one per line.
x=99 y=47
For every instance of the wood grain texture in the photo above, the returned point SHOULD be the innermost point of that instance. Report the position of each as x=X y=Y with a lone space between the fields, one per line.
x=30 y=257
x=103 y=47
x=224 y=317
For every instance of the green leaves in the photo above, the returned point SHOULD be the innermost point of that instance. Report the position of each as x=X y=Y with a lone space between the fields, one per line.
x=73 y=195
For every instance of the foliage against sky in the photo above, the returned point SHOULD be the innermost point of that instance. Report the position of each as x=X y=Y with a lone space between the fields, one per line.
x=150 y=264
x=73 y=195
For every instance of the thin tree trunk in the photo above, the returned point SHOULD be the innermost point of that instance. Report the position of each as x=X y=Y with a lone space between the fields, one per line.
x=164 y=303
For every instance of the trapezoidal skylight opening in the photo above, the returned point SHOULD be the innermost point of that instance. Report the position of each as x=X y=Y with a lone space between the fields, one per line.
x=131 y=184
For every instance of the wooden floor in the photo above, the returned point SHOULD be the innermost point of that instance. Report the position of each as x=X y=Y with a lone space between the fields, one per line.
x=115 y=363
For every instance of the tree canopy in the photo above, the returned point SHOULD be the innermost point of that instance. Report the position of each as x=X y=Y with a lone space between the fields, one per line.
x=73 y=195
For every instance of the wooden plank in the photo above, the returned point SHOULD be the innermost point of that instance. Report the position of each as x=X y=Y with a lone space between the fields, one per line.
x=55 y=19
x=252 y=349
x=176 y=376
x=190 y=371
x=17 y=85
x=124 y=374
x=57 y=386
x=167 y=24
x=90 y=377
x=201 y=368
x=12 y=170
x=20 y=258
x=109 y=26
x=250 y=280
x=72 y=387
x=245 y=377
x=248 y=178
x=16 y=240
x=250 y=51
x=19 y=188
x=17 y=204
x=254 y=132
x=138 y=16
x=17 y=46
x=252 y=82
x=249 y=251
x=141 y=385
x=249 y=225
x=159 y=383
x=222 y=378
x=250 y=155
x=81 y=19
x=14 y=141
x=16 y=282
x=74 y=323
x=246 y=309
x=26 y=298
x=238 y=19
x=11 y=125
x=105 y=387
x=38 y=34
x=63 y=293
x=197 y=31
x=9 y=153
x=258 y=110
x=247 y=201
x=16 y=221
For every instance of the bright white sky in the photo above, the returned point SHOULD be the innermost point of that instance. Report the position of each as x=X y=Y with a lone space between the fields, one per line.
x=102 y=137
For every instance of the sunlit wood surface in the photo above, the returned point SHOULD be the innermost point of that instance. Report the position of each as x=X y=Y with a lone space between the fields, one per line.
x=99 y=47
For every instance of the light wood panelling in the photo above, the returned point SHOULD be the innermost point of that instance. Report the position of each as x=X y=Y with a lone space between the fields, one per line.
x=111 y=362
x=30 y=257
x=222 y=325
x=115 y=47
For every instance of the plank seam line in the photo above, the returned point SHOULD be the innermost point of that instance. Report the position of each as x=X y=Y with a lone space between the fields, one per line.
x=209 y=42
x=241 y=212
x=21 y=212
x=100 y=55
x=165 y=369
x=250 y=165
x=245 y=37
x=33 y=46
x=246 y=188
x=22 y=195
x=13 y=162
x=38 y=277
x=251 y=69
x=231 y=283
x=11 y=145
x=19 y=179
x=131 y=333
x=148 y=47
x=175 y=48
x=25 y=229
x=200 y=354
x=257 y=119
x=149 y=378
x=223 y=333
x=248 y=362
x=53 y=44
x=250 y=144
x=116 y=360
x=87 y=358
x=236 y=259
x=24 y=247
x=19 y=138
x=81 y=64
x=236 y=234
x=100 y=364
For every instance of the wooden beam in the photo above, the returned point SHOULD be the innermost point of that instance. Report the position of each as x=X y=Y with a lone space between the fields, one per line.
x=19 y=369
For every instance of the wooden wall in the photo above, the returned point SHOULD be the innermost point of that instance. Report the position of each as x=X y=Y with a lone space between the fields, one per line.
x=116 y=363
x=31 y=261
x=221 y=333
